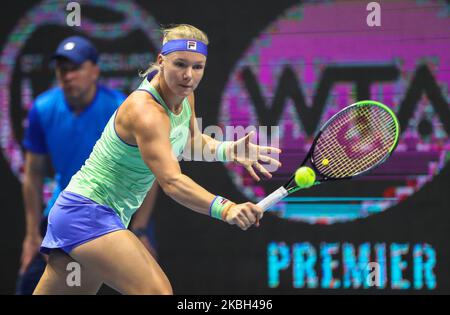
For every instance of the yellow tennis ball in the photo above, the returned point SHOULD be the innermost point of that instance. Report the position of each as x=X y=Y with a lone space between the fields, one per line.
x=305 y=177
x=325 y=162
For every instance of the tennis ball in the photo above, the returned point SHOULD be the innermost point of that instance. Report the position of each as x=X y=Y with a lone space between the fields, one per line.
x=305 y=177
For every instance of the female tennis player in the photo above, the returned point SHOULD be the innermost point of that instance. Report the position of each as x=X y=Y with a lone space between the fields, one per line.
x=140 y=144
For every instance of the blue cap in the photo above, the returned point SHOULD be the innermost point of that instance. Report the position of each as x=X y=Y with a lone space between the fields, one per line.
x=77 y=49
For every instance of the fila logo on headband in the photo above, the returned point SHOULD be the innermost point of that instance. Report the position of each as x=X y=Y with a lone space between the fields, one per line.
x=191 y=45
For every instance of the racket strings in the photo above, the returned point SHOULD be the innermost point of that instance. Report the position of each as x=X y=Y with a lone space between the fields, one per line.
x=362 y=164
x=347 y=165
x=341 y=166
x=354 y=141
x=367 y=137
x=357 y=162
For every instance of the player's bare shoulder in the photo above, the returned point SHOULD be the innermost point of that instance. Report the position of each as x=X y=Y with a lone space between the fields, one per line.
x=143 y=109
x=140 y=113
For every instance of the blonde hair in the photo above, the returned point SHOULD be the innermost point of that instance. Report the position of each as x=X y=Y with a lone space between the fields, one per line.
x=177 y=31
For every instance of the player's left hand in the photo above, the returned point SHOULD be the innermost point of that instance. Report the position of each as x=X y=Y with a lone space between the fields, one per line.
x=250 y=155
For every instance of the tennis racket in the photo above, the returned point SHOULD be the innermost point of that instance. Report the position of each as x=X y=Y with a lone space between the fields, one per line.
x=351 y=143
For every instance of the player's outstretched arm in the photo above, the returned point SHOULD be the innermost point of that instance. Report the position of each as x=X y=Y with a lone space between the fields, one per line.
x=151 y=130
x=251 y=156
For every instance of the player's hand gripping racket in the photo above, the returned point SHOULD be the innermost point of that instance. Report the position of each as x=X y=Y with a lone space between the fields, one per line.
x=352 y=142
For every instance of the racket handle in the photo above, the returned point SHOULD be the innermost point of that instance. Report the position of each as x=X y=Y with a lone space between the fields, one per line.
x=273 y=198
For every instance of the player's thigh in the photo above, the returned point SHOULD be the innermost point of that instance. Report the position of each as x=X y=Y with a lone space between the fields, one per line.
x=63 y=275
x=123 y=263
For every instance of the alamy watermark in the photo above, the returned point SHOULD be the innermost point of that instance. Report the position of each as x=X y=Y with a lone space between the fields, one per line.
x=263 y=137
x=73 y=278
x=74 y=16
x=373 y=278
x=374 y=17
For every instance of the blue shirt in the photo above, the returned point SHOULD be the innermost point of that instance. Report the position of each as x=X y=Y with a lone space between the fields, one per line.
x=68 y=138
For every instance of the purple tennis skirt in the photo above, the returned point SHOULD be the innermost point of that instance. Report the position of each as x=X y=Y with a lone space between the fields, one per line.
x=74 y=220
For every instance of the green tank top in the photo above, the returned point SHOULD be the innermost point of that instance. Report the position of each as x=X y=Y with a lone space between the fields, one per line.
x=115 y=174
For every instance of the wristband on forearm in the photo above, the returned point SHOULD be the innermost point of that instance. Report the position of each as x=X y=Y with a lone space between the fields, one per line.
x=221 y=151
x=219 y=207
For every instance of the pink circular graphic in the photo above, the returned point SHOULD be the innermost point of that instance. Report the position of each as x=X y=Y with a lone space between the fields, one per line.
x=54 y=13
x=316 y=59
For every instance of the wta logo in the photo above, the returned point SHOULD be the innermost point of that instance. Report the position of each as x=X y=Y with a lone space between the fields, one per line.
x=310 y=63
